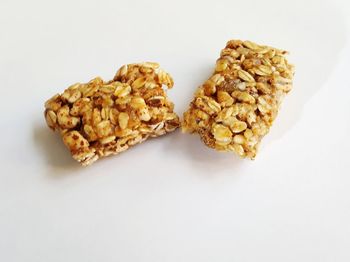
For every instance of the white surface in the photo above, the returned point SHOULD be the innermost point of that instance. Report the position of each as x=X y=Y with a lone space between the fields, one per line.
x=172 y=199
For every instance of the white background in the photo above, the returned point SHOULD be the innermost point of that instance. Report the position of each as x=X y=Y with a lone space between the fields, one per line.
x=172 y=199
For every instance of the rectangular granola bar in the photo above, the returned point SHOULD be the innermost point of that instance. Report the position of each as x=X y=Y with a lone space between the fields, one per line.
x=100 y=118
x=236 y=106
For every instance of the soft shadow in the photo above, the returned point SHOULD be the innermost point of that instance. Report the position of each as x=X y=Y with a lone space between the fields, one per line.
x=315 y=56
x=52 y=148
x=209 y=161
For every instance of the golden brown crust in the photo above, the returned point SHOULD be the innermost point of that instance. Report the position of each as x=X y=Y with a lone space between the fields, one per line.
x=100 y=118
x=236 y=106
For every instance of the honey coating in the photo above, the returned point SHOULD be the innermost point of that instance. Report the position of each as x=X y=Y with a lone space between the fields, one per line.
x=235 y=108
x=99 y=118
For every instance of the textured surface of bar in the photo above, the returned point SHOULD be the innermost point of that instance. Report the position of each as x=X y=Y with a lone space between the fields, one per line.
x=236 y=106
x=100 y=118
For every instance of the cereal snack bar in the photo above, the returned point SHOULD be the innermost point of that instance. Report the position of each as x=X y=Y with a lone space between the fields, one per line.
x=99 y=118
x=234 y=109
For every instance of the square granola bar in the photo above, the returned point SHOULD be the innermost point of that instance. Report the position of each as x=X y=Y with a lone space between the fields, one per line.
x=99 y=118
x=234 y=109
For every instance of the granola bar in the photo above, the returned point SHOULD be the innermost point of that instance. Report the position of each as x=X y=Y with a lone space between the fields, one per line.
x=234 y=109
x=101 y=118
